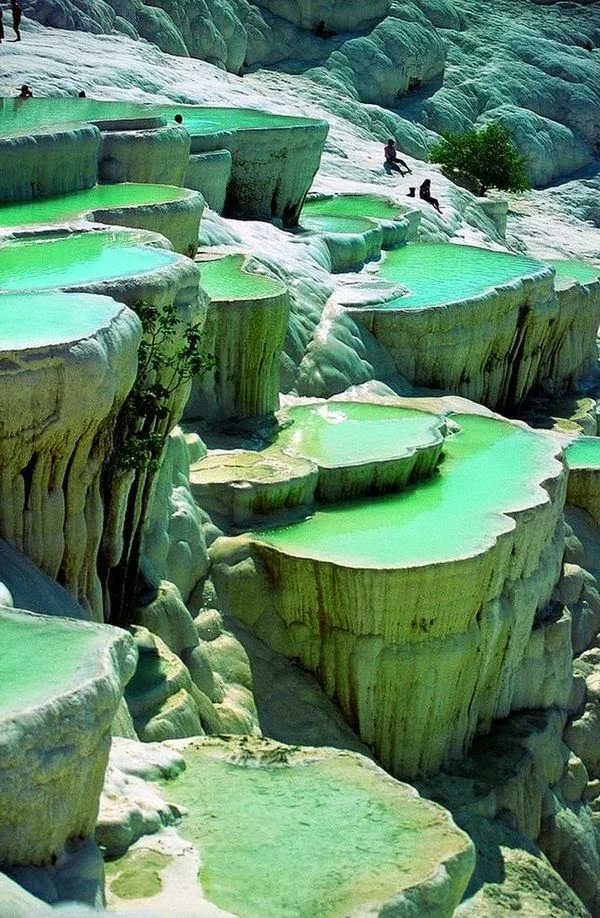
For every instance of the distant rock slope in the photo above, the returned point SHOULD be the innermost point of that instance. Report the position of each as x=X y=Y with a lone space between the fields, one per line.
x=445 y=64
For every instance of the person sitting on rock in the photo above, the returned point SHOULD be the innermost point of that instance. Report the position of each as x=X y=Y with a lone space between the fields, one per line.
x=25 y=92
x=425 y=195
x=393 y=163
x=17 y=13
x=321 y=32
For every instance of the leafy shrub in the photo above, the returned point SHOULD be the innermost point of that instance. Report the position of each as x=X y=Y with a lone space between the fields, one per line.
x=487 y=156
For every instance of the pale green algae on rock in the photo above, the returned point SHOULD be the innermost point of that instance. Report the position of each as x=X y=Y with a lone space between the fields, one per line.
x=37 y=320
x=353 y=205
x=437 y=273
x=486 y=473
x=81 y=258
x=137 y=874
x=299 y=833
x=583 y=453
x=350 y=433
x=579 y=270
x=225 y=279
x=43 y=657
x=70 y=206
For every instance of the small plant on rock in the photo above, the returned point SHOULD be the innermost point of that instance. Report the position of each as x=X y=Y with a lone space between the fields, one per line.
x=169 y=357
x=487 y=157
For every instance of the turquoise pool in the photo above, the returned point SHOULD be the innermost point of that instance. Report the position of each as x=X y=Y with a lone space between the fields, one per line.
x=81 y=258
x=36 y=320
x=438 y=273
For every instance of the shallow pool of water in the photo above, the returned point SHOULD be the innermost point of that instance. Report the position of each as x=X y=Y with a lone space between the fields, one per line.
x=489 y=468
x=350 y=433
x=17 y=115
x=583 y=453
x=35 y=320
x=41 y=658
x=303 y=841
x=439 y=273
x=334 y=224
x=353 y=205
x=224 y=279
x=579 y=270
x=81 y=258
x=66 y=207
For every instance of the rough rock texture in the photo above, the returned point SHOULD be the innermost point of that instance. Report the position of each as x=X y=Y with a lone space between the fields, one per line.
x=244 y=334
x=56 y=735
x=345 y=876
x=52 y=161
x=209 y=173
x=178 y=221
x=158 y=156
x=25 y=586
x=533 y=337
x=314 y=609
x=50 y=478
x=174 y=542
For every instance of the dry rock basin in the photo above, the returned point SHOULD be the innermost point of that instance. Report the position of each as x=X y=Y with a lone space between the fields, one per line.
x=353 y=590
x=61 y=683
x=286 y=831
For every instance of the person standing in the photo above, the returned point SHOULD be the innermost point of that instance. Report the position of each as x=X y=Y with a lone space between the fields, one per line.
x=1 y=25
x=17 y=13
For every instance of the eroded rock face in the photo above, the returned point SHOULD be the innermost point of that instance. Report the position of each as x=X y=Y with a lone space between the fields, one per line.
x=360 y=622
x=62 y=682
x=59 y=400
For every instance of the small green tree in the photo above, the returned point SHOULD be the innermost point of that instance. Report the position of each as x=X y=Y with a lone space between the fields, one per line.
x=487 y=156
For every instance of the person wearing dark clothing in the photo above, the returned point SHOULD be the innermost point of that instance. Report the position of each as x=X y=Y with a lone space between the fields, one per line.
x=425 y=195
x=25 y=92
x=178 y=119
x=17 y=13
x=393 y=163
x=321 y=32
x=1 y=26
x=81 y=94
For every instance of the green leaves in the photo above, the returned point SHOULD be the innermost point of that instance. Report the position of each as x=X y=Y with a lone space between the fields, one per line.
x=169 y=356
x=487 y=156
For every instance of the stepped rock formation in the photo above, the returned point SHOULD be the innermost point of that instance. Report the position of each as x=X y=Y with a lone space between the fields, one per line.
x=55 y=734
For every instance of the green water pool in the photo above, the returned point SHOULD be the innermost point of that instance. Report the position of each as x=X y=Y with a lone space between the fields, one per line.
x=297 y=842
x=351 y=433
x=333 y=224
x=22 y=116
x=80 y=258
x=437 y=273
x=578 y=270
x=35 y=320
x=70 y=206
x=40 y=658
x=225 y=279
x=489 y=468
x=583 y=453
x=353 y=205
